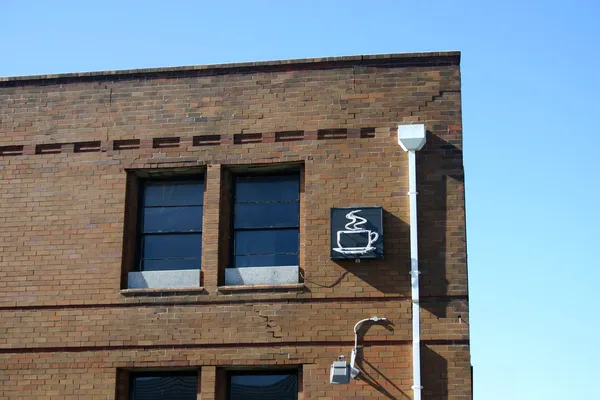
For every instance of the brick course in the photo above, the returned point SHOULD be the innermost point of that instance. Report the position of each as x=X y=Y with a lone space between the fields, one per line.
x=67 y=326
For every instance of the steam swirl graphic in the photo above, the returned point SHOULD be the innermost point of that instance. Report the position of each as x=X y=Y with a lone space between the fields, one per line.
x=355 y=220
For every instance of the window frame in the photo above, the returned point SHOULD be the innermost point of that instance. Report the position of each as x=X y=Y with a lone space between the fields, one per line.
x=263 y=372
x=139 y=225
x=294 y=170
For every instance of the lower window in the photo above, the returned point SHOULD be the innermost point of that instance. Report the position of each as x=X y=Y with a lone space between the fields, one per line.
x=176 y=385
x=263 y=385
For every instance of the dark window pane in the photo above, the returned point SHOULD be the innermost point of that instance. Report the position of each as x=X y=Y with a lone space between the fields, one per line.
x=270 y=215
x=170 y=264
x=271 y=260
x=173 y=219
x=187 y=193
x=257 y=242
x=263 y=387
x=165 y=387
x=267 y=188
x=263 y=204
x=172 y=246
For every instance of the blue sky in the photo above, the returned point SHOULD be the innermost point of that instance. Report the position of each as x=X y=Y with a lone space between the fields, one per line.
x=530 y=100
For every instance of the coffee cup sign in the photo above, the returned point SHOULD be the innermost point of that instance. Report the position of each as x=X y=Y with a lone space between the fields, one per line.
x=362 y=238
x=356 y=233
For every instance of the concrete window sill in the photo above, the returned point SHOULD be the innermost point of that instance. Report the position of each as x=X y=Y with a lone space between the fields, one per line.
x=185 y=278
x=281 y=275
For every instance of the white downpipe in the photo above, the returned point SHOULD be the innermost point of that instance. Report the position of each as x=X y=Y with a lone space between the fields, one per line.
x=414 y=273
x=412 y=138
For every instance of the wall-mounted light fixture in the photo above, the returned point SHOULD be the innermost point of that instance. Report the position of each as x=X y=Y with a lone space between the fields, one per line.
x=340 y=370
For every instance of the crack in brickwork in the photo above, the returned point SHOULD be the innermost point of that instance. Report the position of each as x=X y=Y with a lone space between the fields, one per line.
x=270 y=323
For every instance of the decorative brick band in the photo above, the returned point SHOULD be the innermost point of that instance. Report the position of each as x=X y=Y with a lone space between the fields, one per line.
x=196 y=141
x=256 y=345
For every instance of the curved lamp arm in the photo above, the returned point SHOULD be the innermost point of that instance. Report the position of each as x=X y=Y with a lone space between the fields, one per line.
x=353 y=370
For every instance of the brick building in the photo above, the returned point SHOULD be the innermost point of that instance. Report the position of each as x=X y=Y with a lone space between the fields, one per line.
x=170 y=228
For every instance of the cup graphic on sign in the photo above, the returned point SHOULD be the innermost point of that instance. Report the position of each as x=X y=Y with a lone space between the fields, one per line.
x=355 y=239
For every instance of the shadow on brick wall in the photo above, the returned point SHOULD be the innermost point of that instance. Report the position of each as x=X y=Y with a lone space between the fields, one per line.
x=434 y=374
x=438 y=163
x=373 y=377
x=439 y=167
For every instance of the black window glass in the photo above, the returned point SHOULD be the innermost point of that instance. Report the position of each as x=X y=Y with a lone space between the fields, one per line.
x=263 y=387
x=267 y=188
x=266 y=260
x=172 y=246
x=266 y=248
x=171 y=225
x=173 y=219
x=269 y=215
x=266 y=216
x=163 y=386
x=171 y=252
x=184 y=193
x=171 y=264
x=272 y=241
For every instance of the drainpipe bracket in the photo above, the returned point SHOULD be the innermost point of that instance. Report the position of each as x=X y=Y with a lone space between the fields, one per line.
x=415 y=193
x=416 y=387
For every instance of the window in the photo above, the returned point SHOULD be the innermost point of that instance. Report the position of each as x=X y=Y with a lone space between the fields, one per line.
x=272 y=385
x=177 y=385
x=170 y=225
x=266 y=215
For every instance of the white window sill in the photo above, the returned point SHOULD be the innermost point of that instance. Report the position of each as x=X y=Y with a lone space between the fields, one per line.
x=185 y=278
x=262 y=276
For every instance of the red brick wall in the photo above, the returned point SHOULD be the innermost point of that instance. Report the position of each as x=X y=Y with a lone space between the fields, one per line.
x=65 y=145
